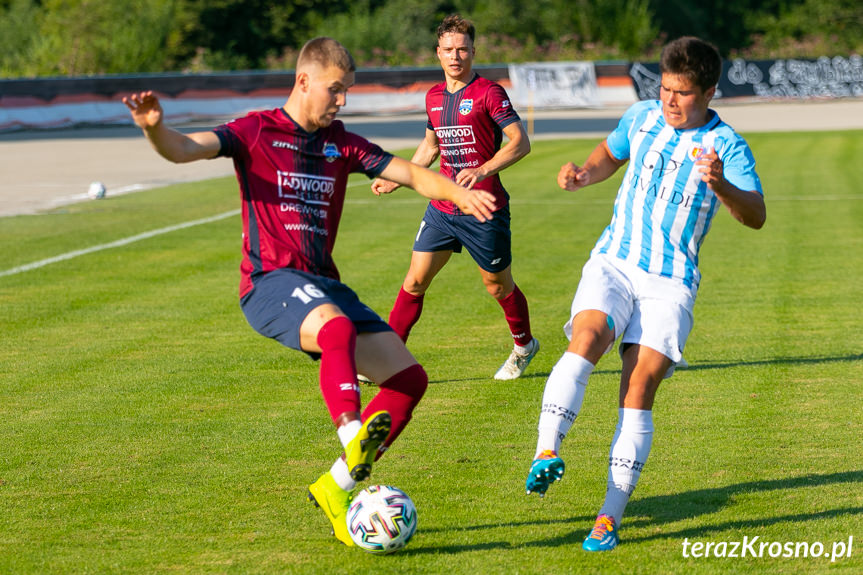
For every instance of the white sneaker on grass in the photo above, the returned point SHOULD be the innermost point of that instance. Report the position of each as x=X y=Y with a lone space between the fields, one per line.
x=515 y=365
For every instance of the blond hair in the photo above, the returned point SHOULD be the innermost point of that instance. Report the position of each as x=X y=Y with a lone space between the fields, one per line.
x=326 y=52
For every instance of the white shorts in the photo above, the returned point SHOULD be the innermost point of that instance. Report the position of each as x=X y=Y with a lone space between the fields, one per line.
x=646 y=309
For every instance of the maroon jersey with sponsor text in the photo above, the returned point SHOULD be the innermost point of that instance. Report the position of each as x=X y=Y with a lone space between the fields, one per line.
x=292 y=184
x=469 y=127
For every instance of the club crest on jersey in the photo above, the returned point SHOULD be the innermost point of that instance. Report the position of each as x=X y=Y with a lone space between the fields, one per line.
x=331 y=152
x=696 y=151
x=465 y=107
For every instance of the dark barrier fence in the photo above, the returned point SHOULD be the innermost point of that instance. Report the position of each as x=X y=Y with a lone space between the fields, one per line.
x=825 y=77
x=47 y=89
x=47 y=103
x=241 y=82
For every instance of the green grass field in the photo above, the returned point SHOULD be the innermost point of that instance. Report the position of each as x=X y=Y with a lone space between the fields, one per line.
x=145 y=428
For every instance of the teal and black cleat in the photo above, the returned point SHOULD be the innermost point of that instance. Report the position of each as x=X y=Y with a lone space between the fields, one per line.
x=545 y=470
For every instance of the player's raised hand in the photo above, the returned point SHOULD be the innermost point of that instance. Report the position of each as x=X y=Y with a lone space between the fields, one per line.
x=477 y=203
x=572 y=177
x=381 y=186
x=168 y=142
x=711 y=168
x=145 y=108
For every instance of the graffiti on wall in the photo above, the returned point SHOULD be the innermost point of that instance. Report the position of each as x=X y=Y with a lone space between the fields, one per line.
x=837 y=77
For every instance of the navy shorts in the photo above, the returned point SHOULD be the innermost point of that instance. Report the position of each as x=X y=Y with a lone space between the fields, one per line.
x=281 y=300
x=489 y=243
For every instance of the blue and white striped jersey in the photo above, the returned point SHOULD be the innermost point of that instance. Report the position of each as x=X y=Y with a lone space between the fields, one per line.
x=663 y=210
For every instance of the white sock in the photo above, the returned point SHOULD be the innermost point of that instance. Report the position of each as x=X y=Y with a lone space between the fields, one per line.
x=629 y=450
x=561 y=400
x=522 y=349
x=348 y=431
x=340 y=473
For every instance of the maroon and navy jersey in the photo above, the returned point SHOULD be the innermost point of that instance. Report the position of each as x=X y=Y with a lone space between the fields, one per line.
x=292 y=184
x=469 y=127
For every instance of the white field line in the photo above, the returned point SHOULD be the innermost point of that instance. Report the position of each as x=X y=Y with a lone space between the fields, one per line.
x=124 y=241
x=116 y=244
x=174 y=228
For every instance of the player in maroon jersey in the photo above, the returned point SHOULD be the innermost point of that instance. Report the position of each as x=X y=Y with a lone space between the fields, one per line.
x=467 y=116
x=292 y=165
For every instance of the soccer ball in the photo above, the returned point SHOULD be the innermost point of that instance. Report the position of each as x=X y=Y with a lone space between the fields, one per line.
x=96 y=191
x=381 y=519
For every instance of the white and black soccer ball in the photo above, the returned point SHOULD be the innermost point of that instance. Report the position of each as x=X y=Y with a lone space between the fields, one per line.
x=96 y=191
x=381 y=519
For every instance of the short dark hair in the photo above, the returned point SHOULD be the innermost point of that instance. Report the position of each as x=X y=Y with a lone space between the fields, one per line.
x=326 y=52
x=692 y=58
x=455 y=24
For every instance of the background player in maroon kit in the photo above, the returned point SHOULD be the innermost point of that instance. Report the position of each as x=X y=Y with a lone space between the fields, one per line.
x=292 y=165
x=467 y=116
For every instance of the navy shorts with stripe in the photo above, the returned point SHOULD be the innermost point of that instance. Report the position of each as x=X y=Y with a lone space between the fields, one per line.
x=489 y=243
x=281 y=300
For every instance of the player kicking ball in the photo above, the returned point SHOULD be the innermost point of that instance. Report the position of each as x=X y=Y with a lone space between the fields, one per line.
x=467 y=119
x=642 y=277
x=292 y=165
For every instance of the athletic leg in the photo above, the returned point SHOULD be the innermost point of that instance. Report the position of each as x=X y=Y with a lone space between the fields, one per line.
x=409 y=302
x=564 y=394
x=501 y=286
x=327 y=331
x=403 y=381
x=643 y=371
x=386 y=359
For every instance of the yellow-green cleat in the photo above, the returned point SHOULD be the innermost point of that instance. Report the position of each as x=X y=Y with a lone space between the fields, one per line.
x=361 y=451
x=334 y=501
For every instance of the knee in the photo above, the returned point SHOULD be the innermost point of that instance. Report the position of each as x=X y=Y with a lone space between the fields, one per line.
x=499 y=285
x=411 y=382
x=639 y=394
x=495 y=290
x=499 y=289
x=590 y=344
x=339 y=332
x=588 y=337
x=418 y=382
x=415 y=286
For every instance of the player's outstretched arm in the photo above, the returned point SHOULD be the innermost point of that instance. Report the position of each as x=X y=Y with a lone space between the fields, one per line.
x=425 y=154
x=169 y=143
x=599 y=166
x=747 y=207
x=478 y=203
x=515 y=149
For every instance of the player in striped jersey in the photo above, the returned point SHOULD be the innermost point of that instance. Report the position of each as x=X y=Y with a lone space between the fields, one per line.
x=292 y=165
x=642 y=277
x=467 y=118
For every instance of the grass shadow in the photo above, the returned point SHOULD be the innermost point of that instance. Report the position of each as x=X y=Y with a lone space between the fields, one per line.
x=689 y=504
x=666 y=509
x=697 y=366
x=701 y=366
x=775 y=361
